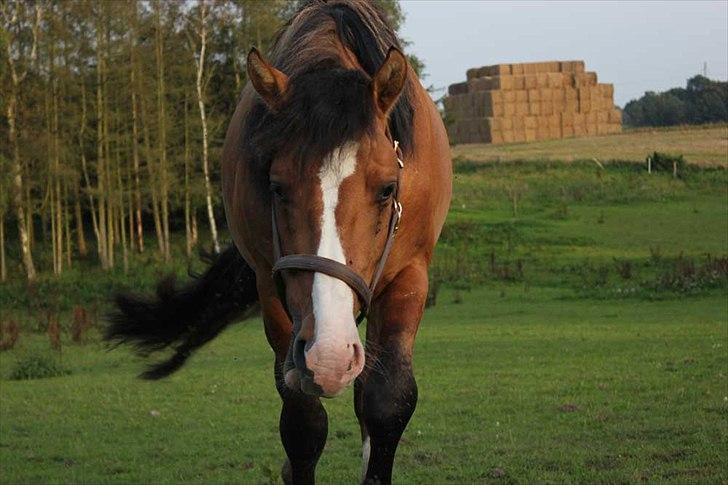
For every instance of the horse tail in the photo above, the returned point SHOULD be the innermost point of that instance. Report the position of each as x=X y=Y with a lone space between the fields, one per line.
x=184 y=318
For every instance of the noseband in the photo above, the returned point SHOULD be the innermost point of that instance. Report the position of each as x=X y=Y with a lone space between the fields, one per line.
x=335 y=269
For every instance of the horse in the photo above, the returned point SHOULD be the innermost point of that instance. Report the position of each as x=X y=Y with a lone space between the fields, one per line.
x=336 y=181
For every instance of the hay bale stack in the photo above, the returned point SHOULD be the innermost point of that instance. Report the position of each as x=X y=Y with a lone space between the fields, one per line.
x=506 y=103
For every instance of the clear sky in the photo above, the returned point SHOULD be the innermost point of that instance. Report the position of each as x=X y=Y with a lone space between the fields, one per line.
x=636 y=45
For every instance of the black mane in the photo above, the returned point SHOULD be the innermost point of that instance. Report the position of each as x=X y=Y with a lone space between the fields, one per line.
x=326 y=105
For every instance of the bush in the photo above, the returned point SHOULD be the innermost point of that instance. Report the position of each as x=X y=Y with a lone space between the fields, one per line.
x=9 y=334
x=684 y=275
x=36 y=367
x=665 y=162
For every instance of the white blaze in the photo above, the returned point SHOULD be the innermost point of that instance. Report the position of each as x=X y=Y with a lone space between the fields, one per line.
x=333 y=300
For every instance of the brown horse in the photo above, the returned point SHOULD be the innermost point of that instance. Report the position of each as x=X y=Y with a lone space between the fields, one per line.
x=336 y=183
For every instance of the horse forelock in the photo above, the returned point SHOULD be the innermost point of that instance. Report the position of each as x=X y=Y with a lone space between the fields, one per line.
x=329 y=103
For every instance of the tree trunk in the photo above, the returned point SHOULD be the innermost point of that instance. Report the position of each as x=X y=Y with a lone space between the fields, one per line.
x=50 y=172
x=84 y=171
x=3 y=268
x=122 y=215
x=162 y=138
x=188 y=226
x=67 y=227
x=17 y=188
x=100 y=161
x=16 y=166
x=80 y=234
x=202 y=33
x=59 y=209
x=194 y=228
x=111 y=213
x=135 y=128
x=152 y=176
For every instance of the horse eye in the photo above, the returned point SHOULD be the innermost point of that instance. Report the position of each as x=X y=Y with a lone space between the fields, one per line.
x=386 y=192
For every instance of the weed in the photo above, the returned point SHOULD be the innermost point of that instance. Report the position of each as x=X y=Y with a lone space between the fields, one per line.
x=36 y=366
x=81 y=323
x=624 y=268
x=685 y=275
x=655 y=254
x=54 y=331
x=665 y=162
x=9 y=334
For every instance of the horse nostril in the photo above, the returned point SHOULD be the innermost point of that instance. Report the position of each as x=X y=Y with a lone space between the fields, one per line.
x=299 y=353
x=357 y=358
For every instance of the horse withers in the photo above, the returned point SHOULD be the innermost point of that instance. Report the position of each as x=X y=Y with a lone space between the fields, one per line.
x=336 y=181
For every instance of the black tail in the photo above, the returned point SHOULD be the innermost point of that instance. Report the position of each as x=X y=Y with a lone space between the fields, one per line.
x=185 y=318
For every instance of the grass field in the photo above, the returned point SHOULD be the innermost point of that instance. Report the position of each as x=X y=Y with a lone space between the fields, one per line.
x=518 y=386
x=702 y=146
x=580 y=334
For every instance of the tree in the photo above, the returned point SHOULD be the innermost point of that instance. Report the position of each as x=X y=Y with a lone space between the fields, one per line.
x=114 y=115
x=20 y=57
x=701 y=101
x=198 y=46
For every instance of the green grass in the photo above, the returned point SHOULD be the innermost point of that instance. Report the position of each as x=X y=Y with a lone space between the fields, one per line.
x=550 y=371
x=509 y=379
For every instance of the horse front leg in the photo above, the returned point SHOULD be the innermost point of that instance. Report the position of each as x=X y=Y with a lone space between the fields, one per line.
x=303 y=422
x=386 y=395
x=303 y=428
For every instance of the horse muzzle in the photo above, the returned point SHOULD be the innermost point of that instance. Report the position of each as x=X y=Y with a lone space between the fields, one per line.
x=323 y=368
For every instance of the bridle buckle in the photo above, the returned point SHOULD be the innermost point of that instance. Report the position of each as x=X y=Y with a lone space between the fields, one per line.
x=398 y=210
x=398 y=152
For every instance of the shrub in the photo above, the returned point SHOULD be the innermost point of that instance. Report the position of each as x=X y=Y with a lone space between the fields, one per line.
x=36 y=367
x=9 y=333
x=81 y=323
x=665 y=162
x=624 y=268
x=54 y=331
x=684 y=275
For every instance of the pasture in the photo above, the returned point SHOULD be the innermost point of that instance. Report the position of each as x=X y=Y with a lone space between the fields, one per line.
x=706 y=145
x=579 y=334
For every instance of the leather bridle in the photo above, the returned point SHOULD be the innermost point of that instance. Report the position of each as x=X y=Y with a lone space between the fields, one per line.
x=335 y=269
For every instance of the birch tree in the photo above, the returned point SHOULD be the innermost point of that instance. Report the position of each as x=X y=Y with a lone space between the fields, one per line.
x=198 y=44
x=15 y=16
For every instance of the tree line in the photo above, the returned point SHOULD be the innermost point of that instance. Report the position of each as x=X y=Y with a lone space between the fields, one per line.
x=701 y=101
x=114 y=115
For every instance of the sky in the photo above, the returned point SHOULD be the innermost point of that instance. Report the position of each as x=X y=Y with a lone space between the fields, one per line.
x=636 y=45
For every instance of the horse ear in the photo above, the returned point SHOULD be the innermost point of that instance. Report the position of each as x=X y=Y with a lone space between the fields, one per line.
x=268 y=81
x=389 y=79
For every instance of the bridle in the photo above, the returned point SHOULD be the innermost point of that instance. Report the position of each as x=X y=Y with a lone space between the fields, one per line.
x=335 y=269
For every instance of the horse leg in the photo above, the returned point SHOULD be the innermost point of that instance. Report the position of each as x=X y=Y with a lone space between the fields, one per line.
x=303 y=428
x=386 y=397
x=303 y=423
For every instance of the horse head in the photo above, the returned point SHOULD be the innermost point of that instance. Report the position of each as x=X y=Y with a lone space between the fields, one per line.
x=333 y=174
